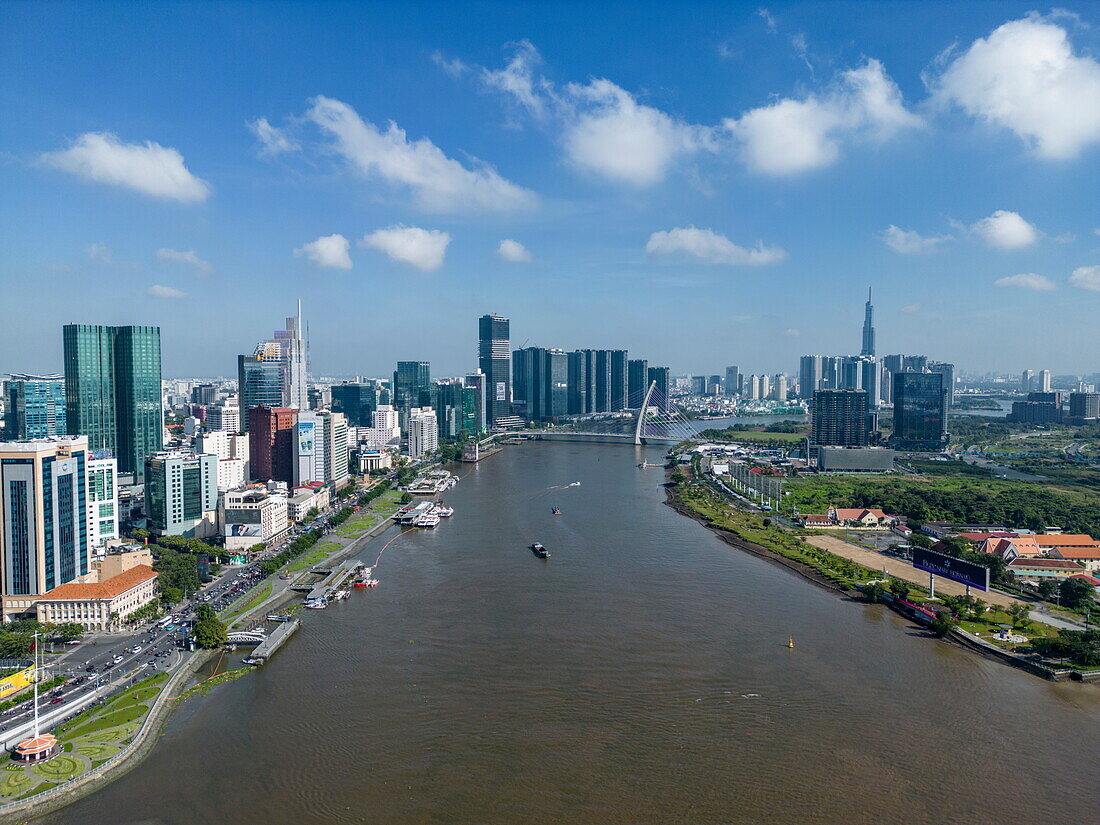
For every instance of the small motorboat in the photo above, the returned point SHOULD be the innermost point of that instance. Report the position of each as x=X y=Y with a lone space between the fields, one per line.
x=359 y=583
x=556 y=511
x=540 y=550
x=317 y=604
x=371 y=583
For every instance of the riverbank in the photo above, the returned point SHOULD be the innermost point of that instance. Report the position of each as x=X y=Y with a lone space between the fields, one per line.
x=760 y=536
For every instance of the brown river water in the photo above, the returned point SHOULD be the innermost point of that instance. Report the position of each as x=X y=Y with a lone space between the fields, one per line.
x=639 y=675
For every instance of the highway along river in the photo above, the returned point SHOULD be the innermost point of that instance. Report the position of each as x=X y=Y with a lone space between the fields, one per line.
x=641 y=674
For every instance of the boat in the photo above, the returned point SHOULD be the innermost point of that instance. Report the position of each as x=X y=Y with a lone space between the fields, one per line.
x=443 y=511
x=427 y=520
x=359 y=583
x=279 y=617
x=340 y=595
x=540 y=550
x=556 y=511
x=317 y=604
x=370 y=583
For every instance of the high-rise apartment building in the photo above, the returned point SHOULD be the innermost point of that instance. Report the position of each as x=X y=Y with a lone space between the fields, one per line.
x=1044 y=381
x=112 y=391
x=839 y=418
x=385 y=429
x=44 y=538
x=779 y=388
x=920 y=411
x=181 y=494
x=231 y=449
x=601 y=381
x=617 y=363
x=732 y=383
x=34 y=406
x=660 y=396
x=637 y=371
x=492 y=354
x=542 y=381
x=1084 y=406
x=272 y=442
x=809 y=375
x=1027 y=381
x=578 y=399
x=423 y=432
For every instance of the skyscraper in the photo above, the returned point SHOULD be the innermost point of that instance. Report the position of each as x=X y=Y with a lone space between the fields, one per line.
x=660 y=392
x=577 y=394
x=275 y=374
x=602 y=381
x=112 y=391
x=412 y=385
x=948 y=373
x=423 y=432
x=358 y=401
x=617 y=388
x=34 y=406
x=636 y=381
x=295 y=364
x=868 y=327
x=809 y=375
x=733 y=381
x=839 y=418
x=492 y=353
x=920 y=411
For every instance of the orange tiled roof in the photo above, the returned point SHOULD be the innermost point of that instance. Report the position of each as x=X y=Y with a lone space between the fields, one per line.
x=114 y=586
x=1065 y=540
x=1078 y=552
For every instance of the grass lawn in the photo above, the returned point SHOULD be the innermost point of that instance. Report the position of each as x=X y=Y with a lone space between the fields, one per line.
x=235 y=610
x=62 y=766
x=316 y=555
x=15 y=783
x=96 y=750
x=129 y=713
x=117 y=734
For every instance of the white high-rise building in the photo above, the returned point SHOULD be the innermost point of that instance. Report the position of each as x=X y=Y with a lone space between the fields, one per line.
x=322 y=448
x=384 y=431
x=779 y=388
x=423 y=431
x=223 y=418
x=102 y=500
x=1044 y=381
x=294 y=362
x=231 y=448
x=336 y=449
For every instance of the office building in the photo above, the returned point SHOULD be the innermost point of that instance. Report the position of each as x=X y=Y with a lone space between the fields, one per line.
x=662 y=378
x=412 y=386
x=475 y=381
x=252 y=514
x=44 y=538
x=358 y=401
x=1035 y=412
x=385 y=432
x=870 y=379
x=112 y=391
x=102 y=493
x=423 y=432
x=1043 y=382
x=321 y=450
x=181 y=494
x=839 y=418
x=714 y=385
x=920 y=411
x=617 y=364
x=868 y=348
x=732 y=381
x=456 y=409
x=259 y=380
x=637 y=371
x=492 y=353
x=34 y=407
x=295 y=362
x=337 y=449
x=779 y=388
x=223 y=418
x=231 y=449
x=272 y=443
x=101 y=605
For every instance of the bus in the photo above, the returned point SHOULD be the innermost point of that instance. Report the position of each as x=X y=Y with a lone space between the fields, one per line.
x=163 y=623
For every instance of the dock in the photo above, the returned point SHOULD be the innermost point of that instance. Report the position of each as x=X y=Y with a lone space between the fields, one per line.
x=265 y=649
x=334 y=577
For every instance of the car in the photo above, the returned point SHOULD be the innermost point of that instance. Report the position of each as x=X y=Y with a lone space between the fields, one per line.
x=117 y=660
x=90 y=669
x=55 y=700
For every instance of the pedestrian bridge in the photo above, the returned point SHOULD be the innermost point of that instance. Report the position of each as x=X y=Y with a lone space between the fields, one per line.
x=246 y=637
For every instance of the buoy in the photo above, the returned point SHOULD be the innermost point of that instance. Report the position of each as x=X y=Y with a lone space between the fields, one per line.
x=790 y=641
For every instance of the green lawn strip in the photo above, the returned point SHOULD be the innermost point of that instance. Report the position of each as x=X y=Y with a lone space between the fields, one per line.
x=129 y=713
x=97 y=750
x=61 y=767
x=252 y=600
x=116 y=734
x=316 y=555
x=45 y=786
x=15 y=783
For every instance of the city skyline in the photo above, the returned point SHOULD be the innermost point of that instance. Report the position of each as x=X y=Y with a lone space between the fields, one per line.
x=958 y=214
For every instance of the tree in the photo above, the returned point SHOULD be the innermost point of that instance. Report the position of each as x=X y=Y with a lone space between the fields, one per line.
x=874 y=591
x=977 y=608
x=1075 y=593
x=944 y=623
x=68 y=631
x=406 y=498
x=312 y=514
x=1047 y=588
x=205 y=612
x=1018 y=613
x=210 y=633
x=900 y=588
x=170 y=595
x=920 y=540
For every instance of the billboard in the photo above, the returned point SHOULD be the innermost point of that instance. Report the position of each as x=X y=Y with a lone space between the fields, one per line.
x=502 y=391
x=305 y=438
x=964 y=572
x=16 y=682
x=248 y=530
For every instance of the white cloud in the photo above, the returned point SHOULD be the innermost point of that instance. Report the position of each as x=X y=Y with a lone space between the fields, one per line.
x=769 y=20
x=455 y=68
x=517 y=79
x=909 y=309
x=202 y=268
x=100 y=253
x=422 y=248
x=1005 y=230
x=792 y=136
x=439 y=183
x=1086 y=277
x=1025 y=77
x=1027 y=280
x=328 y=251
x=909 y=242
x=791 y=332
x=274 y=140
x=513 y=251
x=148 y=168
x=158 y=291
x=613 y=135
x=711 y=247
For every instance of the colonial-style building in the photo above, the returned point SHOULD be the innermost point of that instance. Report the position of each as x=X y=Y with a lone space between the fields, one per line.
x=92 y=604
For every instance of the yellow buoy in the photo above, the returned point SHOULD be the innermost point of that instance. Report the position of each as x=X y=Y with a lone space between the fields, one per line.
x=790 y=641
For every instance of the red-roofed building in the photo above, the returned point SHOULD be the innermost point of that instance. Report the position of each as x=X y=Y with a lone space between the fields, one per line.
x=1087 y=557
x=861 y=517
x=91 y=604
x=1095 y=582
x=1044 y=568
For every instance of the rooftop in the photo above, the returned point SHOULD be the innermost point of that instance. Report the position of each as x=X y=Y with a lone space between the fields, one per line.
x=114 y=586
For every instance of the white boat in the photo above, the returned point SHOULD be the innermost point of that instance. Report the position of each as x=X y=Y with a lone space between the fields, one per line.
x=427 y=520
x=443 y=511
x=371 y=582
x=317 y=604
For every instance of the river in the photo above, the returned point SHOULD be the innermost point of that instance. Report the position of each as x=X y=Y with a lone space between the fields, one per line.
x=640 y=675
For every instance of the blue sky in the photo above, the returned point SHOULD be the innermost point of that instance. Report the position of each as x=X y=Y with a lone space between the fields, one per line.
x=704 y=184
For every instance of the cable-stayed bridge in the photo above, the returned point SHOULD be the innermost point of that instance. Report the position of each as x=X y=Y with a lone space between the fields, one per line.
x=650 y=420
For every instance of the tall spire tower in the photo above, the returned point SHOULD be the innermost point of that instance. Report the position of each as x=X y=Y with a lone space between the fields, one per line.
x=868 y=327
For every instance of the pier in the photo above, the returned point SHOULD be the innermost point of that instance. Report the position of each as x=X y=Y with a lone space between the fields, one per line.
x=265 y=649
x=335 y=576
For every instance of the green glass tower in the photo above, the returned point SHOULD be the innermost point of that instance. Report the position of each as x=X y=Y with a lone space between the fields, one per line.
x=112 y=391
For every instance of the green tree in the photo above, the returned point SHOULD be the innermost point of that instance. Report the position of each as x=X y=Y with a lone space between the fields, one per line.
x=920 y=540
x=1075 y=593
x=1018 y=613
x=312 y=514
x=169 y=595
x=944 y=623
x=1047 y=588
x=406 y=498
x=210 y=633
x=874 y=591
x=205 y=612
x=978 y=608
x=900 y=588
x=68 y=631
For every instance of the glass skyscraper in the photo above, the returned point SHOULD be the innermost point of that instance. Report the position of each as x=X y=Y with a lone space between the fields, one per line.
x=113 y=391
x=920 y=411
x=34 y=406
x=492 y=360
x=412 y=385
